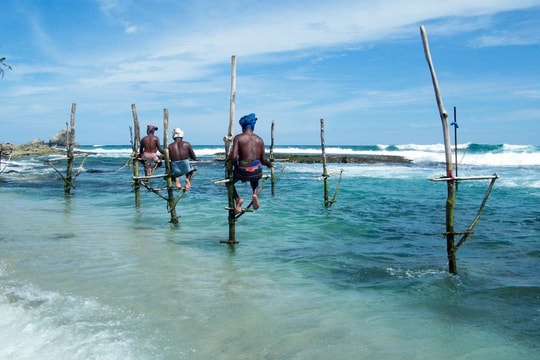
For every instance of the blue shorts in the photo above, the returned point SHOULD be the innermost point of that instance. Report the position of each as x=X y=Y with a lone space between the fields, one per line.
x=181 y=167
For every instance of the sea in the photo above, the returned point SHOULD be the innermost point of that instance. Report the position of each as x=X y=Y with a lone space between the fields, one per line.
x=90 y=275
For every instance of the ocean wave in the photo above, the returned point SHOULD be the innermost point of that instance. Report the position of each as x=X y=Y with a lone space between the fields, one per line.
x=467 y=153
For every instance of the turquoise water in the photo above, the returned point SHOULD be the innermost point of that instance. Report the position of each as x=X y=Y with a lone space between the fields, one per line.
x=90 y=276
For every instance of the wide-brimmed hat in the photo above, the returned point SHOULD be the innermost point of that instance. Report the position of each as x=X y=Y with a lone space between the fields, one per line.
x=177 y=133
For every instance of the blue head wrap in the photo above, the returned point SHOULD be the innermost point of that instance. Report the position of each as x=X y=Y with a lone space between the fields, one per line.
x=248 y=122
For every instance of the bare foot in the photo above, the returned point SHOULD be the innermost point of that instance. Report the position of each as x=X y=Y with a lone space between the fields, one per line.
x=178 y=185
x=238 y=208
x=255 y=200
x=188 y=184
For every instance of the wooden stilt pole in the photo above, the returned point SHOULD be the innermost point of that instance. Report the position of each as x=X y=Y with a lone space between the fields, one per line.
x=479 y=213
x=171 y=202
x=70 y=144
x=134 y=155
x=450 y=201
x=325 y=171
x=455 y=125
x=229 y=162
x=69 y=177
x=144 y=181
x=273 y=178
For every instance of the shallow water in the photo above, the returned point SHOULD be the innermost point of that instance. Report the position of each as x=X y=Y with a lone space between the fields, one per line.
x=89 y=276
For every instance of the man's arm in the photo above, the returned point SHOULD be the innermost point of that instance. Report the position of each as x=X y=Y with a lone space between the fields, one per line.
x=192 y=153
x=263 y=158
x=141 y=147
x=158 y=145
x=234 y=152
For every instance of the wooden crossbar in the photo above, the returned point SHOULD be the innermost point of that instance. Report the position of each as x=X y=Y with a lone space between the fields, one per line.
x=323 y=176
x=64 y=158
x=224 y=181
x=149 y=177
x=445 y=178
x=458 y=232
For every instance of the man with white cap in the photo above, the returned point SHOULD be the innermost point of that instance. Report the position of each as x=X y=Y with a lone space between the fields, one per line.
x=180 y=153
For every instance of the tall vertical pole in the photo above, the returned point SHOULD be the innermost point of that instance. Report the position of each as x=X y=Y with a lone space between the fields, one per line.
x=135 y=151
x=171 y=203
x=455 y=125
x=450 y=200
x=229 y=161
x=325 y=172
x=273 y=178
x=70 y=143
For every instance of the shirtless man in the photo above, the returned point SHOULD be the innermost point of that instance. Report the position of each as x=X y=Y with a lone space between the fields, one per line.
x=181 y=152
x=248 y=157
x=148 y=151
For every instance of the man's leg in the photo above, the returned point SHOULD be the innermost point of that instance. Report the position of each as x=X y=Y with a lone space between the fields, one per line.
x=188 y=180
x=254 y=197
x=239 y=201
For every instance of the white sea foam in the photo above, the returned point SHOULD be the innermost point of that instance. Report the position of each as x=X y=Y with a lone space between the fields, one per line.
x=491 y=157
x=48 y=325
x=506 y=155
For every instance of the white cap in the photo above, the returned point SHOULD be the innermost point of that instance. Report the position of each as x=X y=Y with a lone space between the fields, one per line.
x=177 y=133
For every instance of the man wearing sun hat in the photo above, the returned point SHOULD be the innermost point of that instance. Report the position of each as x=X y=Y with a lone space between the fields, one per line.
x=148 y=150
x=181 y=152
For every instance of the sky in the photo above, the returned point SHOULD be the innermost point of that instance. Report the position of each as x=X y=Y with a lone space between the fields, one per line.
x=359 y=65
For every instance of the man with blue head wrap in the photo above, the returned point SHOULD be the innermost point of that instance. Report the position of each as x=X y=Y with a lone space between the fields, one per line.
x=248 y=122
x=248 y=156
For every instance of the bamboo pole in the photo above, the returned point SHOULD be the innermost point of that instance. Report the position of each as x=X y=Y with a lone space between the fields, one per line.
x=455 y=125
x=485 y=177
x=337 y=187
x=273 y=178
x=450 y=201
x=143 y=181
x=230 y=162
x=135 y=150
x=325 y=171
x=479 y=213
x=171 y=203
x=70 y=140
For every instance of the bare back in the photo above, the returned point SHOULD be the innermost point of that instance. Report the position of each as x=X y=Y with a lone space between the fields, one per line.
x=249 y=146
x=150 y=143
x=181 y=150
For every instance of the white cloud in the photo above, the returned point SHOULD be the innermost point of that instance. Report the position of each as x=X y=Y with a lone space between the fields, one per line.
x=130 y=29
x=177 y=53
x=506 y=39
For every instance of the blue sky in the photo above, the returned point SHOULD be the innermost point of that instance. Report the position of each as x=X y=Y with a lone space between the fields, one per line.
x=358 y=64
